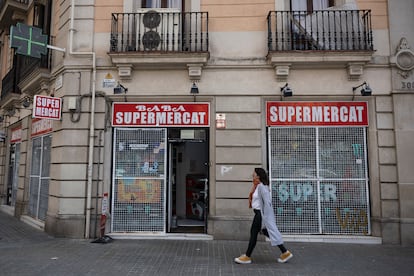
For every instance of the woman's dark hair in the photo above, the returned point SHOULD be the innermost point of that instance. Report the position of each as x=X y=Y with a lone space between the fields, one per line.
x=261 y=173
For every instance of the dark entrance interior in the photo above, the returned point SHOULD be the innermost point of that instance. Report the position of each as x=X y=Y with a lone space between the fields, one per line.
x=187 y=180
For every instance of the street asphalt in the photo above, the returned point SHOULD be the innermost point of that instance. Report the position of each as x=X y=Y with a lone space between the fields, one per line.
x=25 y=250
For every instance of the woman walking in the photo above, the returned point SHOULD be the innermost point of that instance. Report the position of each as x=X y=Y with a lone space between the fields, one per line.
x=264 y=218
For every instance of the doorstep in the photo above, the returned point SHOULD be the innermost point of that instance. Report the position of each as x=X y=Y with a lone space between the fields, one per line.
x=333 y=239
x=161 y=236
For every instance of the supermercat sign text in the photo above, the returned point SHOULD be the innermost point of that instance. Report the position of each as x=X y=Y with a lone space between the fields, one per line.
x=46 y=107
x=161 y=114
x=316 y=114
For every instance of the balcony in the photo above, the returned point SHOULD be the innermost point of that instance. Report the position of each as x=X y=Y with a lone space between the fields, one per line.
x=28 y=75
x=12 y=11
x=10 y=92
x=159 y=38
x=323 y=38
x=34 y=73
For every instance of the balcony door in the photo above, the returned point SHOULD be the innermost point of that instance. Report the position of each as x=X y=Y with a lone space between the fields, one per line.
x=310 y=5
x=172 y=4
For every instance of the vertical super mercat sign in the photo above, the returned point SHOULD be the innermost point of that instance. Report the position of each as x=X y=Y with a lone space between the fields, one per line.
x=46 y=107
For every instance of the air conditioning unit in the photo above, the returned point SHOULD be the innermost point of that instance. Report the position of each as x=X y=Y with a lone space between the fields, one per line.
x=159 y=30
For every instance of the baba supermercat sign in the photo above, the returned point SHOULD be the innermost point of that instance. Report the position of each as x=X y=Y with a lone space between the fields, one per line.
x=161 y=114
x=316 y=114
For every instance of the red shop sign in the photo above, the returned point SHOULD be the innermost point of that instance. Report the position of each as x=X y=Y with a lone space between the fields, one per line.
x=16 y=135
x=47 y=107
x=161 y=114
x=316 y=114
x=41 y=126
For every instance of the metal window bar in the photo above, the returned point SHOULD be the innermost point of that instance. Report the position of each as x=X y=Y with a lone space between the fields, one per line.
x=14 y=173
x=35 y=176
x=10 y=81
x=291 y=152
x=172 y=32
x=39 y=177
x=139 y=180
x=329 y=30
x=45 y=176
x=319 y=179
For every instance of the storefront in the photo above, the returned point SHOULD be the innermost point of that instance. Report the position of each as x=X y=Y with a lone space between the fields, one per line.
x=40 y=168
x=160 y=167
x=45 y=110
x=14 y=160
x=318 y=166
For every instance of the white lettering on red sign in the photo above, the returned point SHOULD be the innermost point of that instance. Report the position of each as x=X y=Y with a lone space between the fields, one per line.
x=16 y=135
x=174 y=114
x=317 y=113
x=47 y=107
x=41 y=126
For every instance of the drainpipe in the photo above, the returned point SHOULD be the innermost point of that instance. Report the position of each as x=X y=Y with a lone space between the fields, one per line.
x=92 y=122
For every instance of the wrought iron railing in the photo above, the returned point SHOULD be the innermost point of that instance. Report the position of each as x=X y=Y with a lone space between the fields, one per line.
x=329 y=30
x=30 y=64
x=23 y=66
x=9 y=84
x=157 y=31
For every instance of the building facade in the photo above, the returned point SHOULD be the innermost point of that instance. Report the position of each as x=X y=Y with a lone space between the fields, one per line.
x=147 y=118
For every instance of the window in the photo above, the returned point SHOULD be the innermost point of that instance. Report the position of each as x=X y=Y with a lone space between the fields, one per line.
x=319 y=179
x=311 y=5
x=39 y=177
x=13 y=174
x=42 y=16
x=139 y=177
x=177 y=4
x=39 y=16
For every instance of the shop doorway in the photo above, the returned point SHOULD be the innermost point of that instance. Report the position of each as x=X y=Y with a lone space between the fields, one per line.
x=40 y=177
x=13 y=174
x=187 y=191
x=160 y=180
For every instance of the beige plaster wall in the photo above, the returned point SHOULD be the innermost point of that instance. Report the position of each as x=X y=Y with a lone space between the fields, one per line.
x=401 y=22
x=235 y=80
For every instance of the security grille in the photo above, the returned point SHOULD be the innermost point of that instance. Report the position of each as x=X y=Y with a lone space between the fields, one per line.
x=39 y=177
x=13 y=173
x=319 y=179
x=139 y=177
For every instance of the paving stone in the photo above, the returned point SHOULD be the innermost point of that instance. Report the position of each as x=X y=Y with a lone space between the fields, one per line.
x=27 y=251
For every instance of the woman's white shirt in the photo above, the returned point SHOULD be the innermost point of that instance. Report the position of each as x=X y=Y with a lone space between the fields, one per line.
x=256 y=200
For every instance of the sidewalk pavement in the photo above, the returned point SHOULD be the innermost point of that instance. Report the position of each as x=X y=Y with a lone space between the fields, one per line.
x=25 y=250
